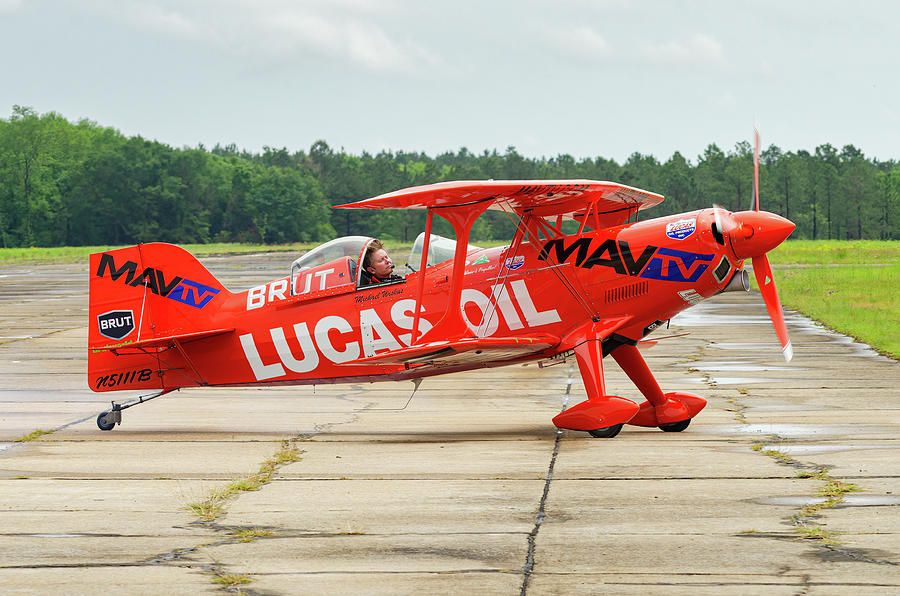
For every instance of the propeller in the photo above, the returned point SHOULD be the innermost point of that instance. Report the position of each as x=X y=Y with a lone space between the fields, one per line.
x=759 y=233
x=723 y=225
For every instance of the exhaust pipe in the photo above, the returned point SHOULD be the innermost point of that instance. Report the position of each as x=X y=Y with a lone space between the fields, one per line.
x=739 y=281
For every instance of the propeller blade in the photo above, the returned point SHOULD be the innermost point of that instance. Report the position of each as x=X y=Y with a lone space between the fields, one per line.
x=763 y=272
x=755 y=169
x=724 y=222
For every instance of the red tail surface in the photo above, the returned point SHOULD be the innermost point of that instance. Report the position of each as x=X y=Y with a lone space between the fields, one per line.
x=141 y=297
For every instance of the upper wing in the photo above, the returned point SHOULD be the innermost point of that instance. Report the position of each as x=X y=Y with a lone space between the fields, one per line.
x=571 y=199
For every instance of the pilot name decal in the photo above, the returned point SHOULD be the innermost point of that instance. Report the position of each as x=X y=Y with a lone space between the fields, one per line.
x=178 y=288
x=653 y=262
x=337 y=340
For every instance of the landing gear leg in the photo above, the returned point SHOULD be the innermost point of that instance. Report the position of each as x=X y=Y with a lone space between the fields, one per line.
x=601 y=415
x=671 y=412
x=108 y=419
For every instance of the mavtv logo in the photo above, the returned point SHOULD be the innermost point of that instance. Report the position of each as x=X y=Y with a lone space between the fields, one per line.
x=177 y=288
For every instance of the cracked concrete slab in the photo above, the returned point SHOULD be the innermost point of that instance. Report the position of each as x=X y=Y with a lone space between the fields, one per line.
x=468 y=488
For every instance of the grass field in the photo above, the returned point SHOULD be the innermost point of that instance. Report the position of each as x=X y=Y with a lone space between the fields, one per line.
x=850 y=286
x=74 y=254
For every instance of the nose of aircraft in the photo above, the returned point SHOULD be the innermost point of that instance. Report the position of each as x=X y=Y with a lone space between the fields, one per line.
x=758 y=232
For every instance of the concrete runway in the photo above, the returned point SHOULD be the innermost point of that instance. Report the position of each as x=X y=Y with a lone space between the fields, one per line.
x=468 y=490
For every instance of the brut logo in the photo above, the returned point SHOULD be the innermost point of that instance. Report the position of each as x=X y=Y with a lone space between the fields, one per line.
x=116 y=324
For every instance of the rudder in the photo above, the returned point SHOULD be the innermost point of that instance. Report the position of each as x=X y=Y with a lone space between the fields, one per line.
x=142 y=293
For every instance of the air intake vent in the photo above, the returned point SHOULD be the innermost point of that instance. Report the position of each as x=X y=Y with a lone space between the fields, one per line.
x=722 y=270
x=627 y=292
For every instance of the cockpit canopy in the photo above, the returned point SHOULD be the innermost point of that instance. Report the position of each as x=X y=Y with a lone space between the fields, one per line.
x=347 y=246
x=440 y=249
x=349 y=251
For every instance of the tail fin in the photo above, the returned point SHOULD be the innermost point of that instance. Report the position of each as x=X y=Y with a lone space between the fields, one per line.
x=140 y=294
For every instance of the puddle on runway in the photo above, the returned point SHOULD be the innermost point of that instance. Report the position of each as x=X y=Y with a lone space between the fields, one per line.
x=5 y=446
x=703 y=318
x=818 y=449
x=736 y=380
x=733 y=366
x=785 y=408
x=849 y=501
x=720 y=314
x=746 y=346
x=780 y=430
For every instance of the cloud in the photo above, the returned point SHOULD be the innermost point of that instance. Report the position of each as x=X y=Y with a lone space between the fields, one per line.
x=279 y=30
x=355 y=40
x=581 y=42
x=697 y=49
x=10 y=6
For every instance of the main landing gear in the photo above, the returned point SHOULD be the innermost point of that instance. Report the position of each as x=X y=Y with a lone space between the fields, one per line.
x=603 y=415
x=107 y=420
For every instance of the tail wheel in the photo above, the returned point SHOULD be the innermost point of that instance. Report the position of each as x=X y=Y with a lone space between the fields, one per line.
x=606 y=433
x=675 y=427
x=104 y=423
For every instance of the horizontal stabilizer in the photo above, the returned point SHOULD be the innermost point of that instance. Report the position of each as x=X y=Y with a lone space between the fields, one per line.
x=462 y=351
x=168 y=340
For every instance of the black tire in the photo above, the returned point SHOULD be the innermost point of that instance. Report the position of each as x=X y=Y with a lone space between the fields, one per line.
x=606 y=433
x=675 y=427
x=100 y=423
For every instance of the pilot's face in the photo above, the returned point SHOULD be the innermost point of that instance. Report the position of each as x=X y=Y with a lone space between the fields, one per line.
x=382 y=265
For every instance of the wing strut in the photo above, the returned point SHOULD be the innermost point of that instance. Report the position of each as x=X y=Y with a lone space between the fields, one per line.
x=461 y=217
x=422 y=268
x=534 y=230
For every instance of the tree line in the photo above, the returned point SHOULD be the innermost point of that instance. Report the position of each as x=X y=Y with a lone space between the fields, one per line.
x=65 y=183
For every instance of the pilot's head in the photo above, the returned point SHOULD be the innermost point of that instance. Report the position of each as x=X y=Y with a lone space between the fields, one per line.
x=377 y=262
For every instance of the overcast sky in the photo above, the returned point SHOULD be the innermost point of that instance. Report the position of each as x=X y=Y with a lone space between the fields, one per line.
x=584 y=77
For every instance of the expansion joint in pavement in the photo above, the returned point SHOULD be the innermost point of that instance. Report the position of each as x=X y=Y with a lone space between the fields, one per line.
x=528 y=568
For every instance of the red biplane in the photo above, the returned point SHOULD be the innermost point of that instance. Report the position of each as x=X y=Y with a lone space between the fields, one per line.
x=576 y=281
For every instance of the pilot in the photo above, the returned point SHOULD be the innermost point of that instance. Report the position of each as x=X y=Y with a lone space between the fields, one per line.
x=378 y=265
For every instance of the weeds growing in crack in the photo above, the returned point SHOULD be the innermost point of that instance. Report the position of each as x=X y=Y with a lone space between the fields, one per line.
x=820 y=474
x=818 y=533
x=214 y=504
x=780 y=456
x=231 y=580
x=35 y=434
x=832 y=492
x=738 y=409
x=249 y=534
x=837 y=489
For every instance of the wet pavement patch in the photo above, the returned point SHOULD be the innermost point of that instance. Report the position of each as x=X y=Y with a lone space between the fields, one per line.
x=791 y=430
x=848 y=501
x=817 y=449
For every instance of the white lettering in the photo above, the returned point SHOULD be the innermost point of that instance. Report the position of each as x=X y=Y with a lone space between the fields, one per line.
x=336 y=323
x=256 y=297
x=375 y=335
x=260 y=371
x=532 y=317
x=277 y=289
x=308 y=282
x=310 y=356
x=402 y=316
x=483 y=328
x=322 y=275
x=500 y=295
